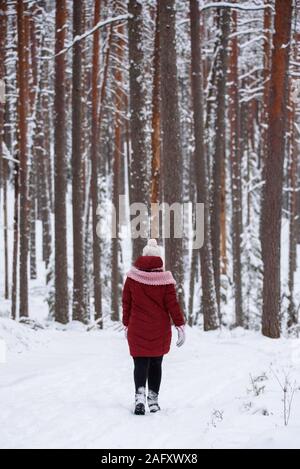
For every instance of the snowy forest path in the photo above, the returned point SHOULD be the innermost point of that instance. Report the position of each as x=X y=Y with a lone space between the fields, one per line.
x=76 y=391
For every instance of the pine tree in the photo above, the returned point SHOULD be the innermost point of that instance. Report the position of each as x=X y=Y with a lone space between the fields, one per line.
x=119 y=104
x=95 y=168
x=220 y=143
x=272 y=201
x=236 y=191
x=23 y=154
x=171 y=144
x=138 y=160
x=208 y=287
x=60 y=175
x=155 y=142
x=3 y=162
x=79 y=311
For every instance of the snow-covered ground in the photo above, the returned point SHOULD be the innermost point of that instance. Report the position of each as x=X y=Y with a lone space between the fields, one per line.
x=74 y=389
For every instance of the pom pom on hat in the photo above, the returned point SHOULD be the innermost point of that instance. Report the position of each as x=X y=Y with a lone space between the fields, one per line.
x=152 y=248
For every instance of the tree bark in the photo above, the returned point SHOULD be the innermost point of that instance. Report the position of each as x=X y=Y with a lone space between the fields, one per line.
x=95 y=169
x=42 y=161
x=155 y=140
x=171 y=142
x=236 y=190
x=293 y=182
x=61 y=263
x=32 y=192
x=23 y=156
x=79 y=311
x=138 y=162
x=266 y=76
x=272 y=203
x=119 y=102
x=3 y=163
x=220 y=146
x=209 y=302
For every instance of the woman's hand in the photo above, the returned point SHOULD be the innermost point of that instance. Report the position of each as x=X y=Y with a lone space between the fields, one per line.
x=181 y=336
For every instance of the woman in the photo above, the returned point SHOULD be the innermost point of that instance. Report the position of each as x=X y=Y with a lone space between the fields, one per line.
x=149 y=303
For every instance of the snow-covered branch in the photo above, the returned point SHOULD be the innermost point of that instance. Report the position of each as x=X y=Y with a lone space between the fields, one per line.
x=100 y=25
x=297 y=127
x=7 y=155
x=9 y=158
x=236 y=6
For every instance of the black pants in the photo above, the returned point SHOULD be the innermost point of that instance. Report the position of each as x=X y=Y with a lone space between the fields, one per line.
x=147 y=368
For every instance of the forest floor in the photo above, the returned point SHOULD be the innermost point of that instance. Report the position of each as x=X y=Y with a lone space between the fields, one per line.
x=74 y=389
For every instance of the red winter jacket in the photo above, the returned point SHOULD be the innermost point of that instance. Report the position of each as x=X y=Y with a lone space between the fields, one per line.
x=149 y=302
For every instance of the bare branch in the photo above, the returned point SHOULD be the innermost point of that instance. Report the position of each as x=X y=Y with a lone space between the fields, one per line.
x=236 y=6
x=100 y=25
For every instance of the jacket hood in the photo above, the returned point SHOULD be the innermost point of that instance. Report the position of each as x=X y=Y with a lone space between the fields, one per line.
x=149 y=263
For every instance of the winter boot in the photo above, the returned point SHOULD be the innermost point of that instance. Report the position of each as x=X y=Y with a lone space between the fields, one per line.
x=140 y=401
x=153 y=401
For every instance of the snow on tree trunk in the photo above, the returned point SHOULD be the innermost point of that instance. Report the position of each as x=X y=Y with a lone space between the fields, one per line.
x=3 y=163
x=235 y=160
x=220 y=145
x=95 y=167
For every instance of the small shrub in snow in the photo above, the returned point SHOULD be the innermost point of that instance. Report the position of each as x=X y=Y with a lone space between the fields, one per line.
x=262 y=411
x=289 y=389
x=17 y=337
x=247 y=406
x=33 y=324
x=256 y=384
x=217 y=417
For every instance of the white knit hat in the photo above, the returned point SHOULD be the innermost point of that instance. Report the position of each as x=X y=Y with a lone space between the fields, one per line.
x=152 y=249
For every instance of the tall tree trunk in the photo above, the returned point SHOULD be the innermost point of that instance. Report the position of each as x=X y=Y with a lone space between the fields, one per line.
x=5 y=232
x=11 y=112
x=138 y=164
x=61 y=262
x=95 y=169
x=209 y=302
x=171 y=144
x=293 y=181
x=266 y=76
x=272 y=203
x=223 y=223
x=3 y=24
x=3 y=163
x=79 y=312
x=32 y=189
x=236 y=190
x=193 y=275
x=220 y=146
x=42 y=157
x=266 y=95
x=119 y=102
x=14 y=284
x=155 y=140
x=292 y=320
x=23 y=155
